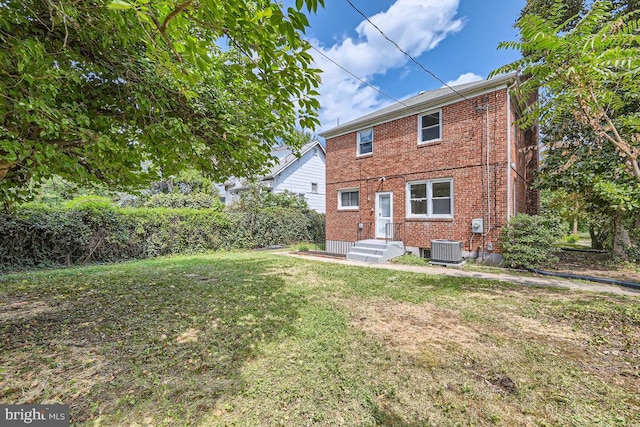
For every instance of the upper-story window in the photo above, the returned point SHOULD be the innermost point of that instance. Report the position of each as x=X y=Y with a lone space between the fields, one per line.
x=365 y=142
x=430 y=199
x=314 y=187
x=430 y=127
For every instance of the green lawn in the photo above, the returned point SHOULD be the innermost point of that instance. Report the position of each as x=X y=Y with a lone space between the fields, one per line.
x=264 y=339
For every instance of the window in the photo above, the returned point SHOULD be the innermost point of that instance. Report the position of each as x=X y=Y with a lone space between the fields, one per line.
x=430 y=199
x=349 y=199
x=314 y=187
x=365 y=142
x=315 y=151
x=430 y=127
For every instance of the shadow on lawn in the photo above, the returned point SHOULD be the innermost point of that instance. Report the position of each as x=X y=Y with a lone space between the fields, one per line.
x=388 y=418
x=154 y=342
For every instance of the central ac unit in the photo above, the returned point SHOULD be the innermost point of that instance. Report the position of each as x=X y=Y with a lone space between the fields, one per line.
x=448 y=251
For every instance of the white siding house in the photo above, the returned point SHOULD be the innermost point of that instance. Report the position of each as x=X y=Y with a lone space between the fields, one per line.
x=303 y=175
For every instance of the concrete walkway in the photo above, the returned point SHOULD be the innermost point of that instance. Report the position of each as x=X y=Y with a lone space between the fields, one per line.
x=524 y=279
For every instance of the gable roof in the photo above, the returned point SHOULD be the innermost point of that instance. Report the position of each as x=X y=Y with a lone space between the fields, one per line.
x=421 y=103
x=290 y=159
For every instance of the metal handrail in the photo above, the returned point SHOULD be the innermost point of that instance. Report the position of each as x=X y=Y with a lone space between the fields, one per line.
x=364 y=232
x=393 y=231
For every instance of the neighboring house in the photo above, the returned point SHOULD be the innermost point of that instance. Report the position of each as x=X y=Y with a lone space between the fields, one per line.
x=303 y=175
x=426 y=168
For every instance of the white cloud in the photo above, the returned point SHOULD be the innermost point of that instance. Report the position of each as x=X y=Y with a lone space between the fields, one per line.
x=416 y=25
x=465 y=78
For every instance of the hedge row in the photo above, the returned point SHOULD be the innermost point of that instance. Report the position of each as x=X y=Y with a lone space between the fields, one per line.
x=40 y=236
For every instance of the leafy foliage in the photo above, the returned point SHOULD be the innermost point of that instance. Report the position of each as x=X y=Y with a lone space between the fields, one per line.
x=94 y=229
x=588 y=72
x=527 y=240
x=259 y=209
x=179 y=200
x=125 y=92
x=269 y=226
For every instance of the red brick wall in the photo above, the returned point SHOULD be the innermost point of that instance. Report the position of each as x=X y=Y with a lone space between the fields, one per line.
x=461 y=155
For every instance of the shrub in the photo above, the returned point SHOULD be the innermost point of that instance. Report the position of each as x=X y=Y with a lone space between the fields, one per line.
x=90 y=203
x=265 y=227
x=527 y=241
x=179 y=200
x=571 y=239
x=316 y=226
x=90 y=231
x=96 y=230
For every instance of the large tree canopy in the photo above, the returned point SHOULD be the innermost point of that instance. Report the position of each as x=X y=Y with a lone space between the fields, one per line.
x=583 y=58
x=125 y=92
x=571 y=10
x=587 y=72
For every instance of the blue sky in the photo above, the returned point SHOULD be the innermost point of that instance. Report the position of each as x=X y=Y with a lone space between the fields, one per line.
x=455 y=39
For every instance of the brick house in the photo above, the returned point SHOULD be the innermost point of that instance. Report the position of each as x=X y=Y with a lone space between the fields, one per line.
x=424 y=169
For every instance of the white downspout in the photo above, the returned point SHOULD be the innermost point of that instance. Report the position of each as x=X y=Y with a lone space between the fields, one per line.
x=488 y=170
x=509 y=130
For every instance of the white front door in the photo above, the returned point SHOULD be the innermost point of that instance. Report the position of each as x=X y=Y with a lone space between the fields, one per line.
x=384 y=213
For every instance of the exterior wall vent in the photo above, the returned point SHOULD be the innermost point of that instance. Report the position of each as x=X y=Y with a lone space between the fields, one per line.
x=449 y=251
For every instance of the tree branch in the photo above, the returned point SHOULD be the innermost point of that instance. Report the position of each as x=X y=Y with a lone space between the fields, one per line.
x=173 y=14
x=166 y=38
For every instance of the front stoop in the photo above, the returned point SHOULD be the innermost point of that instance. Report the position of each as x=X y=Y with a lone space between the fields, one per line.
x=375 y=251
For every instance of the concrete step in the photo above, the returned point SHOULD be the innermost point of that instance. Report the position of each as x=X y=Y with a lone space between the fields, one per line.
x=362 y=257
x=367 y=250
x=375 y=251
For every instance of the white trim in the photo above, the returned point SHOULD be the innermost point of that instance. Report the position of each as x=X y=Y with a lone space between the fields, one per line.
x=383 y=193
x=348 y=208
x=420 y=127
x=358 y=153
x=429 y=199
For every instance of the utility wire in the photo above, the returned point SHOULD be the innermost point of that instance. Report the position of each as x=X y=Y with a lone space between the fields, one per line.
x=404 y=52
x=358 y=78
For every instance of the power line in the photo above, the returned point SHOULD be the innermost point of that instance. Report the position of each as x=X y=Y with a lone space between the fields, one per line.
x=404 y=52
x=358 y=78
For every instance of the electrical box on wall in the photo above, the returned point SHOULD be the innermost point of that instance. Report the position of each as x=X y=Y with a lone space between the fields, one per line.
x=477 y=225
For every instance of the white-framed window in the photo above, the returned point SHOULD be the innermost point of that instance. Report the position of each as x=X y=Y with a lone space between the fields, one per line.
x=430 y=199
x=349 y=199
x=430 y=127
x=314 y=187
x=365 y=142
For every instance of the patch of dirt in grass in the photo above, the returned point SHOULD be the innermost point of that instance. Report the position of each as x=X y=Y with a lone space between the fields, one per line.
x=409 y=327
x=190 y=335
x=58 y=373
x=25 y=310
x=502 y=364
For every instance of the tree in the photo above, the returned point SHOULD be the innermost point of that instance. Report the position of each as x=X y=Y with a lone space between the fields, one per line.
x=130 y=92
x=587 y=71
x=578 y=167
x=585 y=67
x=572 y=10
